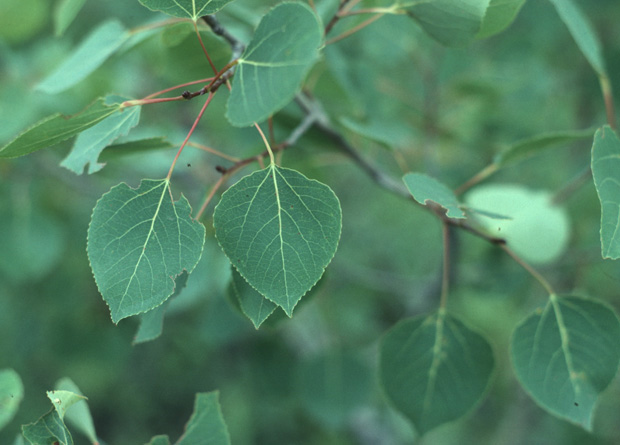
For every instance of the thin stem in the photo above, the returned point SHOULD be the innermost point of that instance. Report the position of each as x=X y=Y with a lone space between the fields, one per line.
x=213 y=151
x=477 y=178
x=204 y=49
x=271 y=158
x=204 y=107
x=573 y=185
x=167 y=90
x=609 y=100
x=210 y=196
x=530 y=269
x=445 y=281
x=355 y=29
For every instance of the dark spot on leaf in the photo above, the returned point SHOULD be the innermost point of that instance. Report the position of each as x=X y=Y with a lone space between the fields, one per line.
x=576 y=404
x=189 y=165
x=291 y=207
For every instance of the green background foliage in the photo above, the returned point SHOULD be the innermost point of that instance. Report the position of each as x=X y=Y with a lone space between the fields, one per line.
x=407 y=104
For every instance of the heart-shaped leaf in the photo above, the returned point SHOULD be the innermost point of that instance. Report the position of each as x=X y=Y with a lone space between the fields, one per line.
x=280 y=230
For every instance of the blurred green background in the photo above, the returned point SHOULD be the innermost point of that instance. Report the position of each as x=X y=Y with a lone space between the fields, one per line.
x=311 y=379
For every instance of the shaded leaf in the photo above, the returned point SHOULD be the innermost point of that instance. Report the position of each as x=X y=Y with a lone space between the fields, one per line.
x=139 y=241
x=161 y=439
x=253 y=305
x=64 y=13
x=11 y=395
x=566 y=354
x=332 y=385
x=92 y=141
x=531 y=146
x=207 y=425
x=271 y=69
x=605 y=169
x=56 y=128
x=137 y=146
x=533 y=227
x=582 y=32
x=450 y=22
x=48 y=430
x=499 y=15
x=86 y=58
x=280 y=230
x=434 y=369
x=79 y=415
x=424 y=188
x=194 y=9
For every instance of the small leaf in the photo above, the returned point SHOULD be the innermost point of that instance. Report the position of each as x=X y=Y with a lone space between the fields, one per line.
x=535 y=228
x=194 y=9
x=57 y=128
x=161 y=439
x=450 y=22
x=207 y=423
x=280 y=230
x=48 y=430
x=424 y=188
x=79 y=415
x=434 y=369
x=11 y=395
x=62 y=400
x=605 y=169
x=566 y=354
x=91 y=142
x=139 y=241
x=119 y=149
x=531 y=146
x=270 y=71
x=64 y=13
x=582 y=32
x=86 y=58
x=254 y=306
x=499 y=15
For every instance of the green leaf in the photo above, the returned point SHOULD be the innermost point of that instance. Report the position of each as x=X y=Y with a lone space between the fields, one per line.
x=270 y=71
x=64 y=13
x=450 y=22
x=92 y=141
x=11 y=395
x=207 y=425
x=161 y=439
x=434 y=369
x=152 y=322
x=79 y=415
x=57 y=128
x=537 y=230
x=605 y=169
x=582 y=32
x=566 y=354
x=528 y=147
x=62 y=400
x=280 y=230
x=499 y=15
x=86 y=58
x=424 y=188
x=332 y=385
x=194 y=9
x=256 y=307
x=117 y=150
x=139 y=240
x=48 y=430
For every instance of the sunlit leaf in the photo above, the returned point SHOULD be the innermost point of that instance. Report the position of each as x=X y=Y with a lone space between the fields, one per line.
x=86 y=58
x=11 y=395
x=79 y=415
x=499 y=15
x=606 y=172
x=139 y=241
x=280 y=230
x=434 y=369
x=64 y=13
x=207 y=425
x=566 y=354
x=270 y=71
x=256 y=307
x=533 y=226
x=194 y=9
x=92 y=141
x=451 y=22
x=531 y=146
x=56 y=128
x=582 y=32
x=424 y=188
